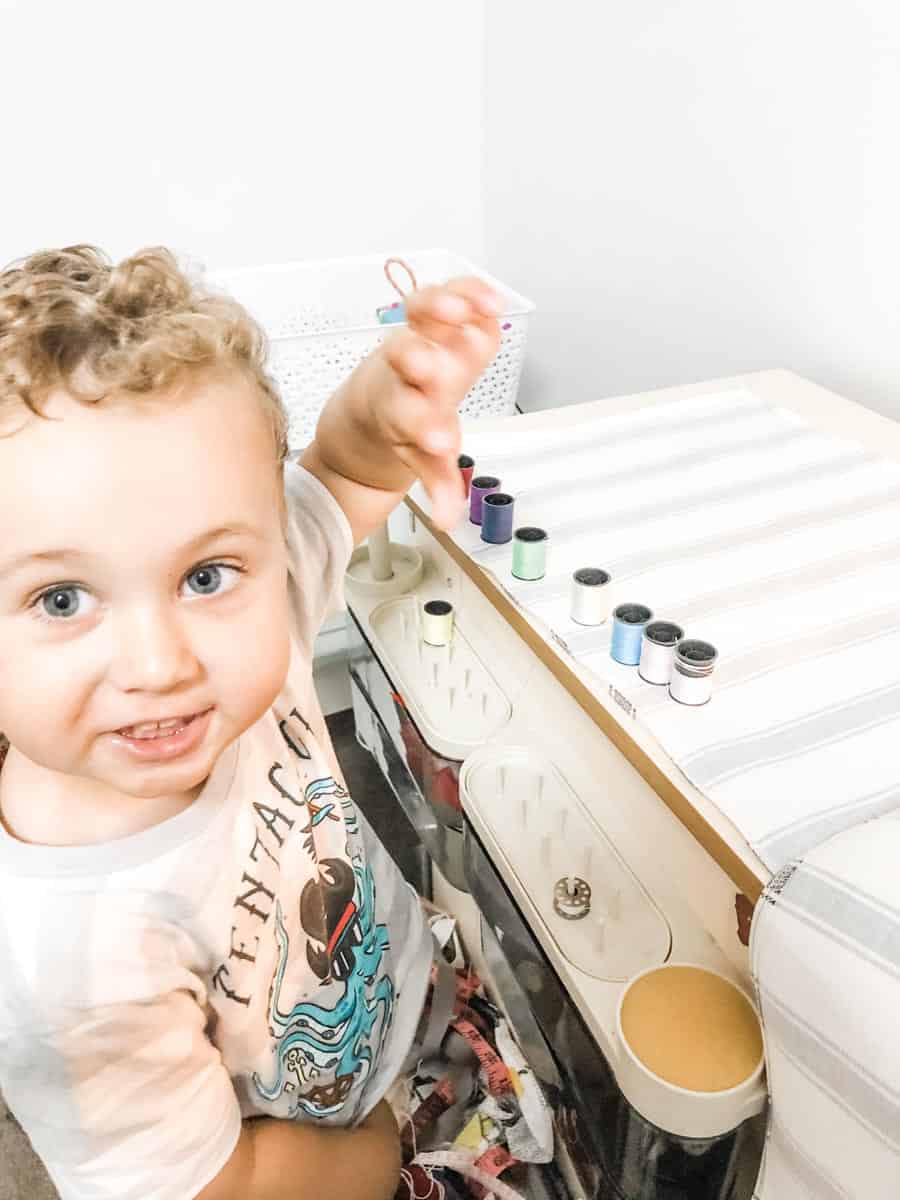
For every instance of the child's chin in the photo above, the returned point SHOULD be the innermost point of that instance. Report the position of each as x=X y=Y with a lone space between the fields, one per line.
x=146 y=781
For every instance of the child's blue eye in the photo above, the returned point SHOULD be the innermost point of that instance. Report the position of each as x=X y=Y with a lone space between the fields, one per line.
x=211 y=579
x=205 y=580
x=63 y=602
x=68 y=600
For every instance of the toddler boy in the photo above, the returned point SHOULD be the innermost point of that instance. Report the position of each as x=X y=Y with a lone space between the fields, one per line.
x=211 y=969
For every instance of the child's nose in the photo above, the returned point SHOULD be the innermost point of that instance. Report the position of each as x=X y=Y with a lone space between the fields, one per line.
x=153 y=653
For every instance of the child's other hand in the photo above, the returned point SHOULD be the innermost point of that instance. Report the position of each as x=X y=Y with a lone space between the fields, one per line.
x=452 y=334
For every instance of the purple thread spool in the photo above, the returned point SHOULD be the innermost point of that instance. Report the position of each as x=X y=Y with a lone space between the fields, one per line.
x=497 y=518
x=482 y=485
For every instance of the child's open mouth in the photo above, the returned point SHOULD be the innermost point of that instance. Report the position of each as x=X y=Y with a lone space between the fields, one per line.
x=163 y=740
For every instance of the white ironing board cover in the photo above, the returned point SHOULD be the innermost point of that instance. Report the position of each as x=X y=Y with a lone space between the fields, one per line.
x=779 y=544
x=825 y=956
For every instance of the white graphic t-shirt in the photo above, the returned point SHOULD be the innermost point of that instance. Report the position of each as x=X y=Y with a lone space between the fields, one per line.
x=258 y=953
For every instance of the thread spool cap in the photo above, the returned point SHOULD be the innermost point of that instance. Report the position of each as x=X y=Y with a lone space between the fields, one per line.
x=633 y=614
x=663 y=633
x=694 y=657
x=497 y=518
x=591 y=576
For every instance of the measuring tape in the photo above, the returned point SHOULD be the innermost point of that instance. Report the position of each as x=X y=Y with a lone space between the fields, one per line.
x=496 y=1073
x=464 y=1164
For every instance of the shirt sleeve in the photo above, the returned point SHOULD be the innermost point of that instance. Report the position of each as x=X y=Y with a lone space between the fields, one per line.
x=127 y=1102
x=320 y=543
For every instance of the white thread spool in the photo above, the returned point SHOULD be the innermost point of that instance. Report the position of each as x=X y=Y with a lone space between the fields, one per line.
x=692 y=669
x=590 y=596
x=437 y=622
x=658 y=651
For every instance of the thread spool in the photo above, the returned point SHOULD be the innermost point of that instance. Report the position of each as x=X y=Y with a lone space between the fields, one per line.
x=467 y=469
x=692 y=668
x=658 y=651
x=529 y=553
x=437 y=622
x=629 y=623
x=590 y=596
x=482 y=485
x=497 y=518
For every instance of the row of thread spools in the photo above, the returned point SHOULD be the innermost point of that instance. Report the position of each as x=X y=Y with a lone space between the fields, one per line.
x=659 y=649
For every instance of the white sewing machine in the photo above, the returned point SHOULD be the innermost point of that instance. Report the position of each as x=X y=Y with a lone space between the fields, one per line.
x=518 y=775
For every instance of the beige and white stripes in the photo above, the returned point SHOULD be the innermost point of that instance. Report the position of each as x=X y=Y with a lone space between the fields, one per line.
x=779 y=544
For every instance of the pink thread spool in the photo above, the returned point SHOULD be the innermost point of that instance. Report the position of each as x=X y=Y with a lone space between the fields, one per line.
x=467 y=470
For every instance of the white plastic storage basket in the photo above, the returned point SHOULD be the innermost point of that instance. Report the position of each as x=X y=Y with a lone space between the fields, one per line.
x=320 y=320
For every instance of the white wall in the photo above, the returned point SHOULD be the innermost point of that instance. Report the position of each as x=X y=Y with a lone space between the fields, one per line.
x=694 y=189
x=242 y=132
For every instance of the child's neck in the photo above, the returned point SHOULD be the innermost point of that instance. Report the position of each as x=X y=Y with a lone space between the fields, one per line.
x=48 y=808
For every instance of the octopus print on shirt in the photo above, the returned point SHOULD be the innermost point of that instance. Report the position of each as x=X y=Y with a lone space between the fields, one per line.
x=317 y=1043
x=305 y=942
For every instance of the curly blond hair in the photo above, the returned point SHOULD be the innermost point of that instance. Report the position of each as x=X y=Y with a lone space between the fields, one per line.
x=71 y=318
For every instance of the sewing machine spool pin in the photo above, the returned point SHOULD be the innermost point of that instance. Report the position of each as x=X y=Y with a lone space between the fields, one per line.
x=546 y=848
x=380 y=567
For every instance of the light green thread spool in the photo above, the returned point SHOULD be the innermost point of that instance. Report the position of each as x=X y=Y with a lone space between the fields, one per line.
x=529 y=553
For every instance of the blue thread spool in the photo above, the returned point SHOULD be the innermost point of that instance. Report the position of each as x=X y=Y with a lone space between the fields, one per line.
x=482 y=485
x=497 y=518
x=629 y=623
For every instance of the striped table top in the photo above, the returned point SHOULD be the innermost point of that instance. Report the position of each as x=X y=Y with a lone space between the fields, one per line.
x=755 y=529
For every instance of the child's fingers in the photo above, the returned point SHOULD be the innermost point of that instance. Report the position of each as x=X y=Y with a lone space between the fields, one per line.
x=424 y=424
x=436 y=370
x=476 y=341
x=411 y=356
x=480 y=295
x=441 y=478
x=456 y=303
x=439 y=304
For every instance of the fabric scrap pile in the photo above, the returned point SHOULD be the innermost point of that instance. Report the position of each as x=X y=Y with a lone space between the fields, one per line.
x=472 y=1111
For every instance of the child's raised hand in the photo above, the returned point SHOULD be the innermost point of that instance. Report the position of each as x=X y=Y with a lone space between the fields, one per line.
x=451 y=336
